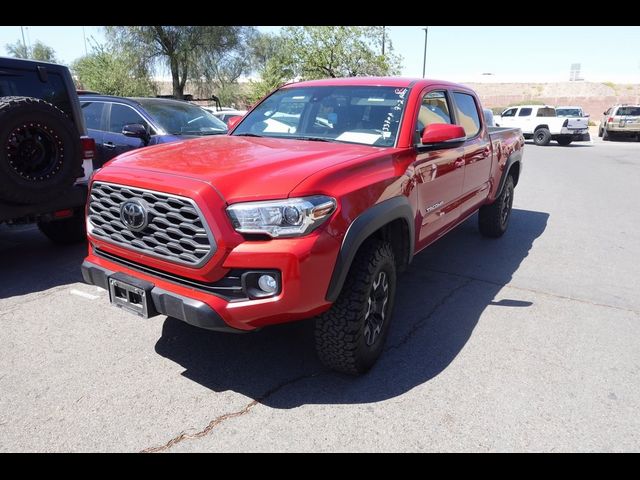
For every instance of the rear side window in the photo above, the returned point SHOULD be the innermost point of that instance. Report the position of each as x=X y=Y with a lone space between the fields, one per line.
x=524 y=112
x=92 y=112
x=467 y=113
x=546 y=112
x=26 y=83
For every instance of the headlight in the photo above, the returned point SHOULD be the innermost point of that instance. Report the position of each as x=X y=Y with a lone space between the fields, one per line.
x=291 y=217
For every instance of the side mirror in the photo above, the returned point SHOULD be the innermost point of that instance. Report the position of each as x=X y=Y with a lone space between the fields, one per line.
x=587 y=114
x=604 y=113
x=233 y=121
x=136 y=130
x=443 y=135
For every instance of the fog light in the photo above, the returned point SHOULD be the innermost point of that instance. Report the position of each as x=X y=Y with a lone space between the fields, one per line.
x=267 y=283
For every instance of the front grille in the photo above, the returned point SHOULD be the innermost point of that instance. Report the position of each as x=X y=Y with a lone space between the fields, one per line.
x=175 y=230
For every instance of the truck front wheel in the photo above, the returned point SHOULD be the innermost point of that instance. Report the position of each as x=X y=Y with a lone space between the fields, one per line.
x=350 y=336
x=493 y=219
x=65 y=231
x=542 y=137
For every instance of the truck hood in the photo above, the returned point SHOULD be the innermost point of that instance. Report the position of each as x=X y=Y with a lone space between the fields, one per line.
x=243 y=168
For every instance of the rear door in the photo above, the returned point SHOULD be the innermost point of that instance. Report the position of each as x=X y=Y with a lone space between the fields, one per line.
x=628 y=117
x=524 y=119
x=477 y=151
x=118 y=116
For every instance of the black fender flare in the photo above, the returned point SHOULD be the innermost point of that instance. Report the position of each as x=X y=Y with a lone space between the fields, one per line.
x=362 y=228
x=515 y=157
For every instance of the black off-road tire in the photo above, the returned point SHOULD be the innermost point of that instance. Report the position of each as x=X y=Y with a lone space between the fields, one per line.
x=493 y=219
x=345 y=336
x=564 y=141
x=39 y=150
x=606 y=137
x=542 y=137
x=65 y=231
x=600 y=132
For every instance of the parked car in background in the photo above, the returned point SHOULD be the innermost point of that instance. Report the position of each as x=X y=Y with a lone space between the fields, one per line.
x=570 y=111
x=46 y=158
x=620 y=120
x=488 y=117
x=542 y=124
x=121 y=124
x=225 y=115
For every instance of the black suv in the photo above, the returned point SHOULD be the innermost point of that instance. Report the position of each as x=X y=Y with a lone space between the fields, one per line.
x=46 y=157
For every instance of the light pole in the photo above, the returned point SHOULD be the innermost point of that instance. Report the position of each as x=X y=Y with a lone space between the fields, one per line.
x=23 y=42
x=383 y=34
x=424 y=62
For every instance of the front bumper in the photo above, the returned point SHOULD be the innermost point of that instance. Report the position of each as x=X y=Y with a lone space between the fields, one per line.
x=305 y=266
x=189 y=310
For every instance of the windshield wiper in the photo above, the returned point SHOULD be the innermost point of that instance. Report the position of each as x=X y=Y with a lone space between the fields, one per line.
x=201 y=133
x=248 y=135
x=312 y=139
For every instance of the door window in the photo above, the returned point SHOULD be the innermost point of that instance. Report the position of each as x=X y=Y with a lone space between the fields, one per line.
x=433 y=109
x=122 y=115
x=93 y=114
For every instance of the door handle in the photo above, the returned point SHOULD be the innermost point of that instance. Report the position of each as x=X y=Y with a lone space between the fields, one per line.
x=109 y=145
x=459 y=163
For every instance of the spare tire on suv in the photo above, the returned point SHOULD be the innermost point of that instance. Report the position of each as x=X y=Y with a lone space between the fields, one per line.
x=40 y=152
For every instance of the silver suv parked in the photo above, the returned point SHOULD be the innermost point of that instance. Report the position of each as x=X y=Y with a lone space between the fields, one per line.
x=620 y=120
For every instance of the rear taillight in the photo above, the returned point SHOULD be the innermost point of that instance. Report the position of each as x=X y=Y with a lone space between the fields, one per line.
x=566 y=122
x=88 y=148
x=610 y=120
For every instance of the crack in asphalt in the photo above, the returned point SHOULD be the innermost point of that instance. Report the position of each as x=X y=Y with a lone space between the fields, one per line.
x=244 y=410
x=542 y=292
x=227 y=416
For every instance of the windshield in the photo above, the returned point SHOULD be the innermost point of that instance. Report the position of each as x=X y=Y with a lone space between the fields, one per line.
x=182 y=118
x=364 y=115
x=568 y=112
x=635 y=111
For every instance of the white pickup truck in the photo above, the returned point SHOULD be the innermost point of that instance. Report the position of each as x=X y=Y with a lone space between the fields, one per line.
x=541 y=123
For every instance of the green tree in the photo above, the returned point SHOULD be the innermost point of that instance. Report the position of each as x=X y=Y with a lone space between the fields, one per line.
x=218 y=71
x=272 y=61
x=39 y=51
x=310 y=52
x=113 y=72
x=180 y=48
x=342 y=51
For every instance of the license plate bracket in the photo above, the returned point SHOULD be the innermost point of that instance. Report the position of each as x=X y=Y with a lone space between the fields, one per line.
x=132 y=295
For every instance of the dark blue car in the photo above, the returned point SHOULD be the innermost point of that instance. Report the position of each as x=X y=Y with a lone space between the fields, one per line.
x=121 y=124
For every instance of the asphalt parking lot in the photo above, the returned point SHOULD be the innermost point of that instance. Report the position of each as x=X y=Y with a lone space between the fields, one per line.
x=526 y=343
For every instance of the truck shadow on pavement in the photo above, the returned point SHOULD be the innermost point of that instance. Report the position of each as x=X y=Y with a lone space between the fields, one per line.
x=30 y=263
x=439 y=302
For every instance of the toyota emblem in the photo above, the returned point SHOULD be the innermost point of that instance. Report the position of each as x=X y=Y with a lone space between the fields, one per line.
x=134 y=215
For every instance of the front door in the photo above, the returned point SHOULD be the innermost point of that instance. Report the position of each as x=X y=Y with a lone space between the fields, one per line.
x=439 y=173
x=114 y=142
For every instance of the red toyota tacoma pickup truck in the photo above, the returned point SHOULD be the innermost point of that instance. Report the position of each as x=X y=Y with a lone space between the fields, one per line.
x=310 y=207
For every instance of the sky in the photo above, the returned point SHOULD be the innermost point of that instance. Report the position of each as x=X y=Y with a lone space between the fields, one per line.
x=459 y=54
